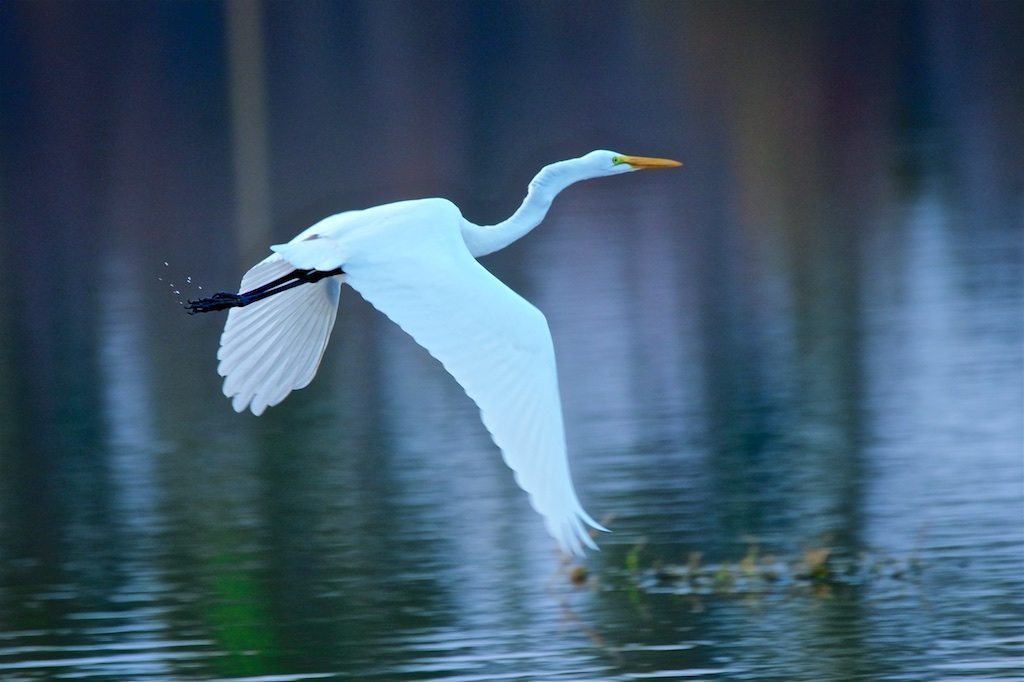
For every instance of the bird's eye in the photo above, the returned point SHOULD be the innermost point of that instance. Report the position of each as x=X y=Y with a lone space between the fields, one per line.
x=618 y=161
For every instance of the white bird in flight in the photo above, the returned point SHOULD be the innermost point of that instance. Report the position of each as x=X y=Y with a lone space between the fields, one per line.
x=415 y=261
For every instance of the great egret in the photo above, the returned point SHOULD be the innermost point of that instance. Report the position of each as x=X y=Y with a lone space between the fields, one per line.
x=415 y=261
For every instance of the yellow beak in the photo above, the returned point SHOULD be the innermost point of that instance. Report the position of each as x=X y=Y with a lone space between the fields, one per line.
x=649 y=162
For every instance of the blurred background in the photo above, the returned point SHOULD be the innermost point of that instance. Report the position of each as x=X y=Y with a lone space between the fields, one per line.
x=806 y=348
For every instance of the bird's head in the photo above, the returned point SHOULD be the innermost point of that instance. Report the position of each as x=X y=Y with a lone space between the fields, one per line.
x=555 y=177
x=604 y=162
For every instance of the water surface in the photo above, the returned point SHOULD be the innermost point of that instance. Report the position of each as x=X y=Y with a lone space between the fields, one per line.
x=811 y=338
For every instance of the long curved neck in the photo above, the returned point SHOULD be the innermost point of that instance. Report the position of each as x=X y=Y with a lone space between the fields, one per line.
x=485 y=239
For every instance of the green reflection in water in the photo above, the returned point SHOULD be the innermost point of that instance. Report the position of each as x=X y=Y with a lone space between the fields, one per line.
x=238 y=614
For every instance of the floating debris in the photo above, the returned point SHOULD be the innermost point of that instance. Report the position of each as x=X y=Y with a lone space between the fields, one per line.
x=819 y=570
x=578 y=575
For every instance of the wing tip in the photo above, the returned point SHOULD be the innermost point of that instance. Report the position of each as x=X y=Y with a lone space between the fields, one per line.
x=572 y=535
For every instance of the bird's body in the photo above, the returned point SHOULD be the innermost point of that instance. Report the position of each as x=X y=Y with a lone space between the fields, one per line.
x=415 y=261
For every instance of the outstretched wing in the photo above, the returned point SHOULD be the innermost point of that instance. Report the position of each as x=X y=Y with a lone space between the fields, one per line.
x=272 y=347
x=495 y=344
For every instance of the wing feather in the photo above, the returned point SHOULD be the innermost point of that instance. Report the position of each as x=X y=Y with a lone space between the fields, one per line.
x=260 y=344
x=274 y=346
x=498 y=347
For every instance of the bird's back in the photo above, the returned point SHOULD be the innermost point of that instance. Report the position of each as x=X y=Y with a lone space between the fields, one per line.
x=364 y=237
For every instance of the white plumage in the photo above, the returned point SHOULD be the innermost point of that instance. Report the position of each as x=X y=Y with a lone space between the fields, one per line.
x=414 y=261
x=273 y=347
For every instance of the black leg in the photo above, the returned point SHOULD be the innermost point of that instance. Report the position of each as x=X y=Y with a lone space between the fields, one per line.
x=224 y=300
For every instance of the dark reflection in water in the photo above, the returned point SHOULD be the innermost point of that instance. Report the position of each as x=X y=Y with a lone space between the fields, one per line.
x=811 y=337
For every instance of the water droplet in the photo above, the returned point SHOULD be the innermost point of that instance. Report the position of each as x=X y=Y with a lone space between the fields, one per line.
x=177 y=292
x=188 y=279
x=166 y=264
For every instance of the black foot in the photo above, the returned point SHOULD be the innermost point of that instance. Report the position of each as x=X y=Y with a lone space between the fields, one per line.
x=219 y=301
